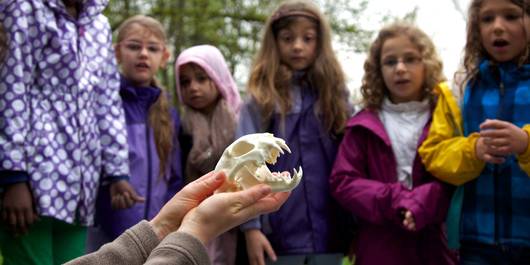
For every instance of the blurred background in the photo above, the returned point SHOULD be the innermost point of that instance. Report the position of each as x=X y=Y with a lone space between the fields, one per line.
x=234 y=26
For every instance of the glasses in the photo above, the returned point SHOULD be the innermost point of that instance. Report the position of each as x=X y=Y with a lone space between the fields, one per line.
x=408 y=61
x=134 y=46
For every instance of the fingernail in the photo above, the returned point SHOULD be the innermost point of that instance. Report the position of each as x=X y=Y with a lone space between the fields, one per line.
x=218 y=176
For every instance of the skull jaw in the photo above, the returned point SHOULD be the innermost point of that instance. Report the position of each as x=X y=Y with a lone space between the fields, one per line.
x=249 y=177
x=244 y=164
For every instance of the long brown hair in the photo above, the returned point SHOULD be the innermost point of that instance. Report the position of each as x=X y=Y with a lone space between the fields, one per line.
x=373 y=88
x=270 y=80
x=474 y=50
x=159 y=113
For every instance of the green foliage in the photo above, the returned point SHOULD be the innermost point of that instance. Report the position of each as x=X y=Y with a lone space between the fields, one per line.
x=234 y=26
x=344 y=19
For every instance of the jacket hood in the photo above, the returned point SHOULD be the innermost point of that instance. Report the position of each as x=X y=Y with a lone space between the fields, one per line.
x=212 y=61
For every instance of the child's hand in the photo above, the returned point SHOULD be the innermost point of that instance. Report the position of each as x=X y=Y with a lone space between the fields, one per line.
x=503 y=138
x=123 y=195
x=408 y=221
x=257 y=245
x=483 y=153
x=17 y=208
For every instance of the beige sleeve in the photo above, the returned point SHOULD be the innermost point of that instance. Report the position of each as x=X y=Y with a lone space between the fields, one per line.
x=179 y=248
x=132 y=247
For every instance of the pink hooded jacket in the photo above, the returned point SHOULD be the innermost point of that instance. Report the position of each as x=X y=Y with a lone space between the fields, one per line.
x=213 y=62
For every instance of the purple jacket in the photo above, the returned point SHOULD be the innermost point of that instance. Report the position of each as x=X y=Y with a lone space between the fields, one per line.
x=308 y=222
x=61 y=120
x=143 y=163
x=364 y=181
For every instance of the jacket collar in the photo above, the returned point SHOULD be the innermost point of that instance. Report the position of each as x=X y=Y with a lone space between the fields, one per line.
x=369 y=119
x=130 y=92
x=507 y=72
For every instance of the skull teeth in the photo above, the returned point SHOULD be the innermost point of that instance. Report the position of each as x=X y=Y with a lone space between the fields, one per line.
x=284 y=146
x=246 y=161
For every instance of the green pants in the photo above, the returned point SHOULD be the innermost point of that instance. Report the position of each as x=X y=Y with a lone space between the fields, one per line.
x=48 y=242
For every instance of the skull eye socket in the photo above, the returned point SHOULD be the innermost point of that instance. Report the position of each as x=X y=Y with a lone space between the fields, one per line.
x=242 y=148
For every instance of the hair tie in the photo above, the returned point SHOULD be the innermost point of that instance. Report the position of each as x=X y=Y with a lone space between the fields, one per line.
x=288 y=13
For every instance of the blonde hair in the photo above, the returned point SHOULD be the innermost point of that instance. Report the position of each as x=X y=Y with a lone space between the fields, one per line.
x=159 y=113
x=3 y=43
x=474 y=51
x=373 y=87
x=270 y=80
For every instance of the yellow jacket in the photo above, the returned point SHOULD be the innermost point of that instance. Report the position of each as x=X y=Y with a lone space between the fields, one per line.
x=446 y=153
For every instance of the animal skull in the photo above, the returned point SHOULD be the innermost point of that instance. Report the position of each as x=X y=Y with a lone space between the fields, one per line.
x=244 y=163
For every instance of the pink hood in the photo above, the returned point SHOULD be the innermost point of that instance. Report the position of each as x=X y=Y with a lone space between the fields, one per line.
x=212 y=61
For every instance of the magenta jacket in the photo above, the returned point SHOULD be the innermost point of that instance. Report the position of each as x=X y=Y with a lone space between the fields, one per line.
x=364 y=182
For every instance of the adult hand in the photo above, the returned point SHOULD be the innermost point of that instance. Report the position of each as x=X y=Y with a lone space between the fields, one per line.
x=223 y=211
x=123 y=195
x=257 y=245
x=17 y=208
x=503 y=138
x=170 y=216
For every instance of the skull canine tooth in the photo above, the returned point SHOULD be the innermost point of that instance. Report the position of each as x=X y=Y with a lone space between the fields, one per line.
x=244 y=160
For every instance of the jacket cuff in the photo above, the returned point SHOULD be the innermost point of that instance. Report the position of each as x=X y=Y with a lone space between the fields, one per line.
x=252 y=224
x=524 y=158
x=111 y=179
x=470 y=148
x=8 y=177
x=416 y=211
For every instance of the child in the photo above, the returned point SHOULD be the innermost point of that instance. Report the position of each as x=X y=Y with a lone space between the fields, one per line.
x=211 y=106
x=152 y=127
x=491 y=158
x=297 y=92
x=377 y=174
x=61 y=126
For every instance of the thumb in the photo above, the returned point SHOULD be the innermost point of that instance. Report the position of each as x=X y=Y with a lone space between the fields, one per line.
x=135 y=196
x=250 y=196
x=206 y=185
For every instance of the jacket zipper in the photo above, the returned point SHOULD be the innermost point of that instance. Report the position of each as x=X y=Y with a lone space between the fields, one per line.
x=496 y=173
x=148 y=193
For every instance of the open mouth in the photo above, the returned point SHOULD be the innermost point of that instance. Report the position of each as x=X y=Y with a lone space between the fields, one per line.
x=245 y=162
x=142 y=66
x=500 y=43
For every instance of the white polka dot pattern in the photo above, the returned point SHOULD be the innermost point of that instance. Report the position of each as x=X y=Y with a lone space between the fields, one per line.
x=61 y=118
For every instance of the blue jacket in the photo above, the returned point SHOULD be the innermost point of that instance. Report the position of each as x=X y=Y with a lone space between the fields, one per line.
x=308 y=222
x=496 y=206
x=143 y=164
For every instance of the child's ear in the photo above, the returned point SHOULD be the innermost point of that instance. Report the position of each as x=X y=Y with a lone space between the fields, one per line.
x=165 y=58
x=117 y=52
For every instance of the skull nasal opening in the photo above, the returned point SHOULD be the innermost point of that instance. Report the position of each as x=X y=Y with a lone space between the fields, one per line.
x=242 y=148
